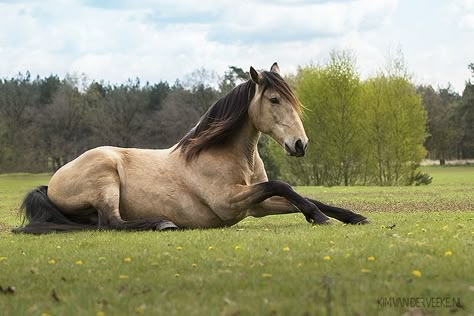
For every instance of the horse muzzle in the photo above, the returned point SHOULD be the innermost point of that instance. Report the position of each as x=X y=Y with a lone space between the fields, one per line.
x=298 y=149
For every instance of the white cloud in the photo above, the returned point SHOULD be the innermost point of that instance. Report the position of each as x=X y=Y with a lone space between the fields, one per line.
x=166 y=39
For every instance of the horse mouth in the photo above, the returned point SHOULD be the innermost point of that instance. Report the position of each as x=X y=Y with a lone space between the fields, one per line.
x=291 y=152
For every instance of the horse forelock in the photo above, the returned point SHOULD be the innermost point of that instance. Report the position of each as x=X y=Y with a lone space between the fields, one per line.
x=272 y=80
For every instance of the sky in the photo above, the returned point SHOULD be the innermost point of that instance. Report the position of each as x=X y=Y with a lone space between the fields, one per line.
x=113 y=40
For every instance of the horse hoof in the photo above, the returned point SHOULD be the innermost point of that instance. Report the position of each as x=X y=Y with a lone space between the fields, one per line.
x=166 y=225
x=365 y=221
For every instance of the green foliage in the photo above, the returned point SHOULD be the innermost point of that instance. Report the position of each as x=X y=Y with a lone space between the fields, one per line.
x=395 y=130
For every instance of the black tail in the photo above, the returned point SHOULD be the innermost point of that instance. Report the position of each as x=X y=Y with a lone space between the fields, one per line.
x=42 y=216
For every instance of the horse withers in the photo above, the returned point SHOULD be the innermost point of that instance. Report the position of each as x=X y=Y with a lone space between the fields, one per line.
x=214 y=176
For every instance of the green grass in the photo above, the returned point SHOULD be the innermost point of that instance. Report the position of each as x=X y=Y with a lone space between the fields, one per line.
x=270 y=266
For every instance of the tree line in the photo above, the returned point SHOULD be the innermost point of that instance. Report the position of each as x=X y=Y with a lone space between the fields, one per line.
x=372 y=131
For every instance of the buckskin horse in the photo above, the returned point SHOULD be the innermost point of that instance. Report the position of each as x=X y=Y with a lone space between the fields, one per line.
x=214 y=176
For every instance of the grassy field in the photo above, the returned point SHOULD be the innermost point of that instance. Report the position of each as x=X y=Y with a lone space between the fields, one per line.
x=420 y=245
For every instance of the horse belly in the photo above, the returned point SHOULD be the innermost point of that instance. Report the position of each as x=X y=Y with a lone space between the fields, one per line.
x=165 y=199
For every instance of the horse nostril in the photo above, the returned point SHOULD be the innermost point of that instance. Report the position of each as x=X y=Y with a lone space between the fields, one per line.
x=299 y=148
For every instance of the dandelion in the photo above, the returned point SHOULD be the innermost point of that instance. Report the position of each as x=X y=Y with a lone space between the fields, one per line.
x=179 y=248
x=100 y=313
x=52 y=261
x=140 y=309
x=177 y=275
x=448 y=253
x=363 y=270
x=410 y=233
x=391 y=245
x=79 y=262
x=3 y=259
x=416 y=273
x=327 y=258
x=371 y=258
x=194 y=265
x=210 y=248
x=286 y=248
x=423 y=230
x=266 y=275
x=127 y=259
x=237 y=247
x=123 y=276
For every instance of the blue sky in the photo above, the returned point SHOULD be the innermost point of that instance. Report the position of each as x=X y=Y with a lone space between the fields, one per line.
x=168 y=39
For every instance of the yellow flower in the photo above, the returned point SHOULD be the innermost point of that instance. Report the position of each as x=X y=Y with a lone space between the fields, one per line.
x=140 y=309
x=52 y=261
x=448 y=253
x=44 y=314
x=123 y=276
x=3 y=259
x=371 y=258
x=327 y=258
x=127 y=259
x=286 y=248
x=237 y=247
x=194 y=265
x=363 y=270
x=266 y=275
x=416 y=273
x=210 y=248
x=79 y=262
x=410 y=233
x=100 y=313
x=177 y=275
x=391 y=245
x=179 y=248
x=423 y=230
x=100 y=259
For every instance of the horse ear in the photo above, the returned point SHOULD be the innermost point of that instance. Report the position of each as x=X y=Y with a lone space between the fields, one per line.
x=255 y=75
x=275 y=68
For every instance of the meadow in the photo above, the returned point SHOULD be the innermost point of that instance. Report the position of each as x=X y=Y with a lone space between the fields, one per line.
x=419 y=248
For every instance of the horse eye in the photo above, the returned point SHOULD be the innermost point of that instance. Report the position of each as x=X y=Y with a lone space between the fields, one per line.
x=274 y=100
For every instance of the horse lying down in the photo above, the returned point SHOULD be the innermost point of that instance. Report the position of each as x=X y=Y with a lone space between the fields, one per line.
x=214 y=176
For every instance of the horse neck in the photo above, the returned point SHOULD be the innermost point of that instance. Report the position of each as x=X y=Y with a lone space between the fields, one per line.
x=245 y=142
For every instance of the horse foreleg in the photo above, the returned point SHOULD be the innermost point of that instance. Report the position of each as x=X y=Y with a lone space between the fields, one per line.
x=273 y=206
x=345 y=216
x=249 y=196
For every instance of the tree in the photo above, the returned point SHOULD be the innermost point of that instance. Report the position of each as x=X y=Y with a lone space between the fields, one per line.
x=466 y=117
x=396 y=130
x=331 y=95
x=61 y=127
x=443 y=124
